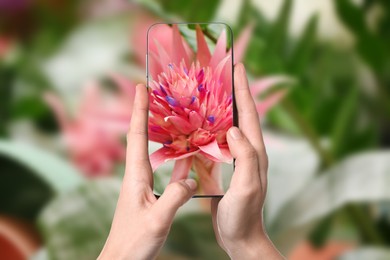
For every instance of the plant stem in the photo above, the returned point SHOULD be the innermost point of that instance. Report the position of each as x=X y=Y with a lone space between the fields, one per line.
x=362 y=221
x=211 y=37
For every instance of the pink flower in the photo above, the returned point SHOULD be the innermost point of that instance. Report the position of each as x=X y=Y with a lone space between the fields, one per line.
x=93 y=137
x=262 y=85
x=191 y=103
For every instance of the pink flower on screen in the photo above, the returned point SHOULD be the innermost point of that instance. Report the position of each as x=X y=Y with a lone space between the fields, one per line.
x=191 y=102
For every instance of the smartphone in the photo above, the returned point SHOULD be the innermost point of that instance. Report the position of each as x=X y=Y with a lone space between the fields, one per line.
x=191 y=105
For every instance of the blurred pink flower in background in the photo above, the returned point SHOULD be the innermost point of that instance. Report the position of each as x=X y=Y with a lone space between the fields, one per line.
x=93 y=136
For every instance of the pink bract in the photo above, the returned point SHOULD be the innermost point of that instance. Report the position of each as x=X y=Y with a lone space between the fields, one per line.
x=190 y=105
x=93 y=136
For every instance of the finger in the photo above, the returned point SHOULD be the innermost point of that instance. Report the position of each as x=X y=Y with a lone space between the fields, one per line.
x=248 y=117
x=137 y=138
x=246 y=174
x=174 y=196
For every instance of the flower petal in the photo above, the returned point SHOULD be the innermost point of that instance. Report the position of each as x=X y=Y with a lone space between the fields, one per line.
x=159 y=136
x=241 y=43
x=203 y=53
x=213 y=152
x=154 y=65
x=181 y=169
x=163 y=55
x=164 y=154
x=178 y=50
x=264 y=105
x=219 y=51
x=196 y=120
x=223 y=73
x=263 y=84
x=180 y=124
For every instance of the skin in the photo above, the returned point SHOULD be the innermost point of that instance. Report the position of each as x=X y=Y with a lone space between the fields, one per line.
x=141 y=222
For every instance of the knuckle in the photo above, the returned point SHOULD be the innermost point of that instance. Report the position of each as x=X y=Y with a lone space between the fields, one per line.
x=249 y=152
x=179 y=189
x=250 y=191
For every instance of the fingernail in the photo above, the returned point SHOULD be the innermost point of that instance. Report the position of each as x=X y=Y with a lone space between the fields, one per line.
x=191 y=183
x=235 y=133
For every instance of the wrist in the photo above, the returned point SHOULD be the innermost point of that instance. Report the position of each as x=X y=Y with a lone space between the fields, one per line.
x=110 y=252
x=257 y=248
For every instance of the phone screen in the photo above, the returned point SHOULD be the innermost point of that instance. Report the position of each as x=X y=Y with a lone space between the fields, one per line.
x=191 y=103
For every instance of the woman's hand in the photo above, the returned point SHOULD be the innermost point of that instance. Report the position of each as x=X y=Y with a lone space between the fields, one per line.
x=141 y=222
x=238 y=216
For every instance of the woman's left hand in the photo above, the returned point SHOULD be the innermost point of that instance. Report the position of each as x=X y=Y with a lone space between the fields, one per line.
x=142 y=222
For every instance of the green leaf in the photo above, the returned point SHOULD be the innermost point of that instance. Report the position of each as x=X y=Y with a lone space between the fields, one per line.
x=279 y=32
x=189 y=11
x=362 y=178
x=58 y=174
x=351 y=15
x=319 y=235
x=301 y=55
x=30 y=177
x=343 y=121
x=280 y=118
x=369 y=45
x=33 y=108
x=300 y=163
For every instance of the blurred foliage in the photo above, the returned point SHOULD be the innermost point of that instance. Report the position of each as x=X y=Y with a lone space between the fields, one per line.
x=193 y=235
x=328 y=99
x=76 y=224
x=29 y=195
x=64 y=225
x=186 y=9
x=27 y=179
x=178 y=10
x=372 y=44
x=36 y=31
x=336 y=190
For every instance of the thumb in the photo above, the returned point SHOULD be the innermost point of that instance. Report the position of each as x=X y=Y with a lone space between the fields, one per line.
x=246 y=173
x=174 y=196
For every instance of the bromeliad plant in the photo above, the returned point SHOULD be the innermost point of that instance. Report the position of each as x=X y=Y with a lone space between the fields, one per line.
x=191 y=104
x=191 y=107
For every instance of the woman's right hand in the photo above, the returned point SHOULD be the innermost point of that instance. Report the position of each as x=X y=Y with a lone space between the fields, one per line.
x=238 y=216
